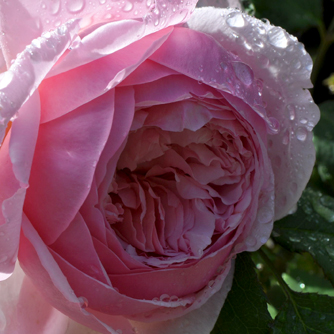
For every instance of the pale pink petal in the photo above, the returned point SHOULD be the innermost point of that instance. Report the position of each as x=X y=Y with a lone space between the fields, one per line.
x=284 y=81
x=14 y=180
x=29 y=69
x=46 y=15
x=219 y=3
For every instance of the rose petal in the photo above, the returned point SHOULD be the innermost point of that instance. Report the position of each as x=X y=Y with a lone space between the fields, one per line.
x=69 y=148
x=22 y=139
x=198 y=321
x=284 y=83
x=29 y=69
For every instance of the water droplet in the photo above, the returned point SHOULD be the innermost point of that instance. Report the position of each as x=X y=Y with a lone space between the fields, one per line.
x=102 y=2
x=263 y=61
x=274 y=125
x=223 y=66
x=261 y=29
x=265 y=215
x=128 y=6
x=43 y=5
x=294 y=239
x=83 y=302
x=211 y=284
x=302 y=285
x=312 y=238
x=164 y=297
x=54 y=7
x=292 y=111
x=277 y=38
x=75 y=6
x=330 y=250
x=301 y=134
x=263 y=240
x=243 y=72
x=251 y=241
x=3 y=322
x=324 y=206
x=174 y=298
x=235 y=20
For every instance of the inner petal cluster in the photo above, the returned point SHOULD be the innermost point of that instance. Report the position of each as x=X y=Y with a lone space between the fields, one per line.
x=175 y=193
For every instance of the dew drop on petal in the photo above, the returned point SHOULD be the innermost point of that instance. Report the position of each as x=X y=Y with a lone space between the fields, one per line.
x=243 y=72
x=251 y=241
x=128 y=6
x=301 y=134
x=102 y=2
x=291 y=110
x=55 y=7
x=75 y=6
x=164 y=297
x=235 y=20
x=83 y=302
x=276 y=37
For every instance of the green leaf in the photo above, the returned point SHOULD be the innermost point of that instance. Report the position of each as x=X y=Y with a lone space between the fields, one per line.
x=310 y=229
x=245 y=309
x=305 y=313
x=324 y=143
x=292 y=15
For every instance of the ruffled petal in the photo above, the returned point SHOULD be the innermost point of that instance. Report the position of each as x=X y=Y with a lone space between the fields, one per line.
x=283 y=67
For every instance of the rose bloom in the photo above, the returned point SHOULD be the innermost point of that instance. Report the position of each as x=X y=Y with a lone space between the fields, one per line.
x=144 y=146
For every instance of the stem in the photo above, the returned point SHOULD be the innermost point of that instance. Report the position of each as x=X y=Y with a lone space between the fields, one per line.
x=281 y=282
x=327 y=39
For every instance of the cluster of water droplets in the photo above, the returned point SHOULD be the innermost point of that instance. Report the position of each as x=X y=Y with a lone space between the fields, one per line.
x=29 y=68
x=156 y=12
x=282 y=65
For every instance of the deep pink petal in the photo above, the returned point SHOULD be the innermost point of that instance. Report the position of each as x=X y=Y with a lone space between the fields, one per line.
x=198 y=321
x=76 y=246
x=37 y=261
x=67 y=91
x=68 y=148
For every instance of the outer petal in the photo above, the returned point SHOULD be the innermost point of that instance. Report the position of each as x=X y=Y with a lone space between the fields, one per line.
x=284 y=67
x=34 y=17
x=41 y=267
x=199 y=321
x=15 y=160
x=29 y=69
x=68 y=148
x=24 y=310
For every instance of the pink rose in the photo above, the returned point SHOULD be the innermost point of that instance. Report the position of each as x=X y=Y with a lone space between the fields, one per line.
x=142 y=156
